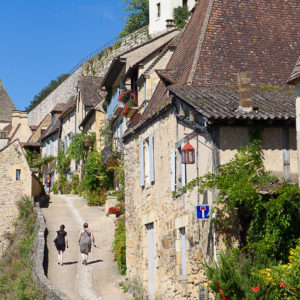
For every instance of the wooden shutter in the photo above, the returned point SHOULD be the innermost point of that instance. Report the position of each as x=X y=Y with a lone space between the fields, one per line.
x=142 y=169
x=182 y=170
x=173 y=170
x=51 y=146
x=151 y=158
x=66 y=144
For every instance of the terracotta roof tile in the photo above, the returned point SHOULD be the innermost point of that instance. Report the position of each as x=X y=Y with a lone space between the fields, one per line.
x=224 y=37
x=222 y=102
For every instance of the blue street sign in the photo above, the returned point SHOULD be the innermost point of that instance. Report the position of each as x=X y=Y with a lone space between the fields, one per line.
x=202 y=212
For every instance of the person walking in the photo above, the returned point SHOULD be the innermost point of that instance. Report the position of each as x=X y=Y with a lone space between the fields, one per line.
x=61 y=242
x=48 y=183
x=85 y=239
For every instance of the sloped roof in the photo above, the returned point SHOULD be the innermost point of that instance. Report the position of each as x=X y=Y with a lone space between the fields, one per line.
x=224 y=37
x=51 y=130
x=69 y=106
x=59 y=107
x=6 y=105
x=223 y=102
x=89 y=89
x=296 y=73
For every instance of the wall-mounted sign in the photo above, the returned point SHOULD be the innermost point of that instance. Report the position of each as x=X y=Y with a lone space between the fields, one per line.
x=202 y=212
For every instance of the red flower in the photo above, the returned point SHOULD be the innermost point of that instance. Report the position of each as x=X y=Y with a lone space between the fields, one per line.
x=255 y=289
x=282 y=284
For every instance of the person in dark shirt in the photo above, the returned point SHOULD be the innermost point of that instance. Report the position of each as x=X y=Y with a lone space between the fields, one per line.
x=61 y=242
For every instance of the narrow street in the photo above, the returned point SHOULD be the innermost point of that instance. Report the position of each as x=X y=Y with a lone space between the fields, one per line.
x=100 y=278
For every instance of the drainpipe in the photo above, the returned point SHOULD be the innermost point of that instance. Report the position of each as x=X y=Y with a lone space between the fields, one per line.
x=298 y=128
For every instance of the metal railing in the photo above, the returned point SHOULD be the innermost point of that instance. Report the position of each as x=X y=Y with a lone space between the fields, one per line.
x=114 y=103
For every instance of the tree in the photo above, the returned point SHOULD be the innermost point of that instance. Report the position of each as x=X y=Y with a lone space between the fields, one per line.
x=181 y=14
x=38 y=98
x=138 y=15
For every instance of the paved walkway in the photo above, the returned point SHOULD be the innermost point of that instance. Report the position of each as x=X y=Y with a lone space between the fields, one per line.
x=99 y=280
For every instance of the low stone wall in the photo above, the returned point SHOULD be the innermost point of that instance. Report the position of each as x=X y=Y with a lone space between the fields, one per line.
x=40 y=245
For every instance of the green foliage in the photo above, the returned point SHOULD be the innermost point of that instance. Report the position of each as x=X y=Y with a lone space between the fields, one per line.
x=77 y=150
x=119 y=244
x=285 y=278
x=181 y=14
x=236 y=275
x=273 y=222
x=16 y=278
x=274 y=227
x=137 y=15
x=105 y=133
x=75 y=183
x=38 y=98
x=95 y=175
x=36 y=161
x=55 y=188
x=63 y=163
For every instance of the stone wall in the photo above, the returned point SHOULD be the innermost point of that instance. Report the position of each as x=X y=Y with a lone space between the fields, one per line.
x=12 y=158
x=60 y=95
x=98 y=65
x=40 y=260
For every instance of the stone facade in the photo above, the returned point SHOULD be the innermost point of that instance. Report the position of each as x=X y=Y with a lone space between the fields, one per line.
x=181 y=243
x=15 y=182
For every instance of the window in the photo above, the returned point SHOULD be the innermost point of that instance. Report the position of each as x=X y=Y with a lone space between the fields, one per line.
x=158 y=10
x=184 y=2
x=146 y=161
x=3 y=135
x=52 y=119
x=47 y=147
x=178 y=170
x=18 y=174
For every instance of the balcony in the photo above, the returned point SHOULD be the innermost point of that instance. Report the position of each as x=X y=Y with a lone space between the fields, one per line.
x=110 y=158
x=114 y=108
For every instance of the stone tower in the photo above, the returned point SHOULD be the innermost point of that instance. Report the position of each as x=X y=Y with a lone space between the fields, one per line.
x=162 y=10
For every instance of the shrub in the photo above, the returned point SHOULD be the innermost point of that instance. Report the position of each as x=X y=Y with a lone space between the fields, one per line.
x=119 y=244
x=55 y=188
x=75 y=184
x=16 y=278
x=181 y=14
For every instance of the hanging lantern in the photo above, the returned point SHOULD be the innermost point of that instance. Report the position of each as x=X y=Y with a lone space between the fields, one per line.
x=187 y=154
x=86 y=143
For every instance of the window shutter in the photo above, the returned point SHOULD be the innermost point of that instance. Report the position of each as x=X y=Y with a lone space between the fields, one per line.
x=47 y=147
x=151 y=156
x=66 y=144
x=142 y=175
x=121 y=127
x=51 y=146
x=182 y=170
x=173 y=170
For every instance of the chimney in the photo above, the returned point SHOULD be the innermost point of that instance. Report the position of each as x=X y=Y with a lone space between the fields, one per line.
x=244 y=88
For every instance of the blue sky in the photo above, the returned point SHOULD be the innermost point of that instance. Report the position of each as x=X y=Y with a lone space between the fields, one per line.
x=41 y=39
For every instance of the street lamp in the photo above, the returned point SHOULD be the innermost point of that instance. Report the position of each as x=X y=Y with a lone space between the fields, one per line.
x=188 y=154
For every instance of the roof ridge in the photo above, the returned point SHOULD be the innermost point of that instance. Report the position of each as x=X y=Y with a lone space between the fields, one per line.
x=200 y=42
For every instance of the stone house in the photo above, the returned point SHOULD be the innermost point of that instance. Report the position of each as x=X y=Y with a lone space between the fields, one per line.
x=219 y=82
x=33 y=143
x=132 y=71
x=51 y=142
x=295 y=80
x=93 y=122
x=16 y=181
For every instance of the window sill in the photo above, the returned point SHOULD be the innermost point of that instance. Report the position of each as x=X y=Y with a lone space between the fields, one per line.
x=177 y=194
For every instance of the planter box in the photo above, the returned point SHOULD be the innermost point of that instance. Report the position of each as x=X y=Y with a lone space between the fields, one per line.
x=131 y=111
x=110 y=201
